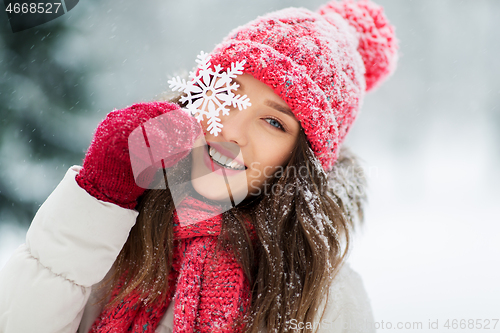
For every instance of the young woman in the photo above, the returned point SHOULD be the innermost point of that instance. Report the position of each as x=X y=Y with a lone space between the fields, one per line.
x=246 y=222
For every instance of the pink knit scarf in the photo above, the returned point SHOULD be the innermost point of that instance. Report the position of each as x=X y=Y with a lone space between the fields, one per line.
x=212 y=293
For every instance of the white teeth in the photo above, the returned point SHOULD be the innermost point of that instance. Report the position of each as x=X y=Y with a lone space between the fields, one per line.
x=217 y=156
x=224 y=160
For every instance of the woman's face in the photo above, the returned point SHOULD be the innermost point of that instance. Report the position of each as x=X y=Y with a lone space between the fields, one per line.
x=257 y=140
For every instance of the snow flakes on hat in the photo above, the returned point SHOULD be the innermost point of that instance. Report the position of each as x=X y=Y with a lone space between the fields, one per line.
x=320 y=64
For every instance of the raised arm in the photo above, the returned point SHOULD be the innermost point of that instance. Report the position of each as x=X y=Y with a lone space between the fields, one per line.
x=80 y=229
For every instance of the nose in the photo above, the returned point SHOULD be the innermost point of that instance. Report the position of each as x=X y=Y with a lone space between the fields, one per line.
x=236 y=126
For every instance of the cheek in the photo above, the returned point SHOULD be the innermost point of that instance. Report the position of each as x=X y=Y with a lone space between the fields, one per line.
x=270 y=161
x=276 y=155
x=204 y=126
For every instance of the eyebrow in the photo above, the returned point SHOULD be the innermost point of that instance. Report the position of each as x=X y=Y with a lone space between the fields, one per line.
x=239 y=84
x=283 y=109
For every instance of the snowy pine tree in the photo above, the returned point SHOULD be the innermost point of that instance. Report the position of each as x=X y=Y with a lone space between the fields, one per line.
x=39 y=97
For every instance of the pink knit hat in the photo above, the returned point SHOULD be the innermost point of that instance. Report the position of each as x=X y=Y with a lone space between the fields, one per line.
x=319 y=63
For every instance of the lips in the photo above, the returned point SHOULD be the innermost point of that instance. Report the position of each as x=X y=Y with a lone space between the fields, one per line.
x=226 y=152
x=216 y=168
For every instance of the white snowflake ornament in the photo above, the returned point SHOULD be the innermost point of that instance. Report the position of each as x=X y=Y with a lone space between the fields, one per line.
x=211 y=91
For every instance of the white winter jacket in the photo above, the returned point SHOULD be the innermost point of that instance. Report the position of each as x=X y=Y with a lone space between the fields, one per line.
x=71 y=245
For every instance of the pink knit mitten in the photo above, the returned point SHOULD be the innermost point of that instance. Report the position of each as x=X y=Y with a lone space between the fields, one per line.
x=107 y=171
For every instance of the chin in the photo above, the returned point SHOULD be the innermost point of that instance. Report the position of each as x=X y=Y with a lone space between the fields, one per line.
x=213 y=187
x=209 y=189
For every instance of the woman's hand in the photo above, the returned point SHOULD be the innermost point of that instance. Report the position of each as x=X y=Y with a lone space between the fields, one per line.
x=107 y=171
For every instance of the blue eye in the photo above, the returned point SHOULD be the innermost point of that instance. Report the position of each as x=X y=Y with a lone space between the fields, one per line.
x=275 y=123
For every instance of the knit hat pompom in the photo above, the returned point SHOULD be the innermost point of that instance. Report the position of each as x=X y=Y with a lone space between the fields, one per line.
x=377 y=42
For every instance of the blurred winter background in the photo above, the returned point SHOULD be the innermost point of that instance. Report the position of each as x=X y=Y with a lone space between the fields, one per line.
x=429 y=137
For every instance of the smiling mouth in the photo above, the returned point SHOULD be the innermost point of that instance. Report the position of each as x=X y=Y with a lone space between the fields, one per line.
x=224 y=161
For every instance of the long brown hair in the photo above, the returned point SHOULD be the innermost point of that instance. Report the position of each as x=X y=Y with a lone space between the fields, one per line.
x=303 y=227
